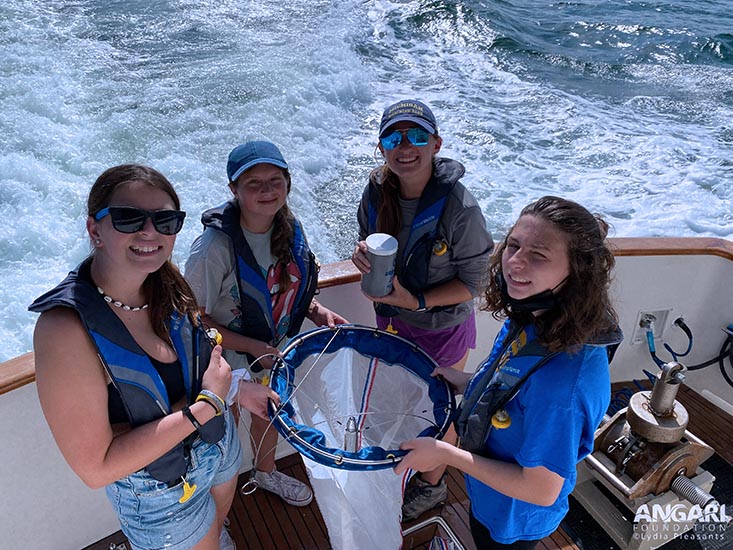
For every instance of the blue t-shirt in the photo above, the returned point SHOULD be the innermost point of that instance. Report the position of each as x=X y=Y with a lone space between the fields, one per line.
x=553 y=419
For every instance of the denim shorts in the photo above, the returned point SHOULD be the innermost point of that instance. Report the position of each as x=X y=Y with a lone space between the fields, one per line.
x=149 y=512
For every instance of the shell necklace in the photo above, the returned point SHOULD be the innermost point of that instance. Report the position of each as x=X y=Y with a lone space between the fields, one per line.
x=118 y=304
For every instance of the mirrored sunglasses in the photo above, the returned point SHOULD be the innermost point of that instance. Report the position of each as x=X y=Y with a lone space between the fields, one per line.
x=417 y=136
x=127 y=219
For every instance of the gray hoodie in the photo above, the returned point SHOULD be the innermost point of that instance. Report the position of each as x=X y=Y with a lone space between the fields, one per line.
x=463 y=228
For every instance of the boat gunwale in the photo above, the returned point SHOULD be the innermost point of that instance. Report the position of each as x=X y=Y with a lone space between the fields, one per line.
x=20 y=371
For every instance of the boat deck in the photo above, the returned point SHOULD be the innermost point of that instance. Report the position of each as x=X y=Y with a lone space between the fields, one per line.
x=262 y=521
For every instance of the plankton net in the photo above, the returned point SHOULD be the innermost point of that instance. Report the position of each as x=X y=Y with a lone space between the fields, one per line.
x=358 y=392
x=350 y=395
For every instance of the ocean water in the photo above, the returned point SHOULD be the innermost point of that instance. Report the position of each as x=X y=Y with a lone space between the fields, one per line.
x=624 y=106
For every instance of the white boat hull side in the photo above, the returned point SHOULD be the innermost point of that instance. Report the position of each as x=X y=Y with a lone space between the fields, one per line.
x=39 y=489
x=43 y=504
x=698 y=288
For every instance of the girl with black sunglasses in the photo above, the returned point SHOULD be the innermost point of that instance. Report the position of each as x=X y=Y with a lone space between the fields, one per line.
x=130 y=383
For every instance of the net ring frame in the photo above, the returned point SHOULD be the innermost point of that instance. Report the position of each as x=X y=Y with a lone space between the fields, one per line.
x=342 y=459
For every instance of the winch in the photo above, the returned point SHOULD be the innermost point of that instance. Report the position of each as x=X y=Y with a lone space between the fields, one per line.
x=644 y=455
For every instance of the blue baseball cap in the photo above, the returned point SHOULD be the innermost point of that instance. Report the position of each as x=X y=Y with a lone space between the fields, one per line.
x=245 y=156
x=411 y=110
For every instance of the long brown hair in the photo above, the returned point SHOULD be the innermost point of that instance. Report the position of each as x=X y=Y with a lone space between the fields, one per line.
x=282 y=237
x=389 y=217
x=583 y=309
x=165 y=289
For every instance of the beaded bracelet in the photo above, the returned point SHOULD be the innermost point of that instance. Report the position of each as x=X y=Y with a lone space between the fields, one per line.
x=213 y=399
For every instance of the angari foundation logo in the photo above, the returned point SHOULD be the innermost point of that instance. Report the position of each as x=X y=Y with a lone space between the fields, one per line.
x=666 y=522
x=679 y=513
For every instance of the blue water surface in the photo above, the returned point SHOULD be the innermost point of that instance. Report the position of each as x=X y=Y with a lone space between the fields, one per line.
x=625 y=106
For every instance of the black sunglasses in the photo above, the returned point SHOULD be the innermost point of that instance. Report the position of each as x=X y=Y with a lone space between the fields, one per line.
x=127 y=219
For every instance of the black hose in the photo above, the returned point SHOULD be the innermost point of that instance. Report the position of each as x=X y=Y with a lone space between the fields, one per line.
x=730 y=360
x=725 y=351
x=721 y=355
x=680 y=322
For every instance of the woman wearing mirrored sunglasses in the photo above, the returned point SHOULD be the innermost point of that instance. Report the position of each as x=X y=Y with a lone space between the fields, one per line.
x=129 y=381
x=255 y=277
x=443 y=252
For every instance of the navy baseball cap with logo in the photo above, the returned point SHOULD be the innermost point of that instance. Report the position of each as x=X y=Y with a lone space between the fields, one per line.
x=247 y=155
x=410 y=110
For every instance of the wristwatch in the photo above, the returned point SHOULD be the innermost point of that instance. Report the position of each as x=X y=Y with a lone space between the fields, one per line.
x=420 y=302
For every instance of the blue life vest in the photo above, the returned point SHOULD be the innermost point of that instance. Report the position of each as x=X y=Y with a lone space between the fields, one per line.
x=500 y=377
x=141 y=388
x=413 y=264
x=254 y=296
x=493 y=386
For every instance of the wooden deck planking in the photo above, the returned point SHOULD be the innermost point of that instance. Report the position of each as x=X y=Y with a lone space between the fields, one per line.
x=454 y=512
x=297 y=527
x=457 y=513
x=253 y=533
x=562 y=541
x=261 y=521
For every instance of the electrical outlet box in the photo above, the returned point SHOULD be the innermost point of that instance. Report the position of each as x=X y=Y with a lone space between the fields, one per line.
x=658 y=318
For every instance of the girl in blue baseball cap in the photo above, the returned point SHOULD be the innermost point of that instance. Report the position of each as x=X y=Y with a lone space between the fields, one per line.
x=254 y=277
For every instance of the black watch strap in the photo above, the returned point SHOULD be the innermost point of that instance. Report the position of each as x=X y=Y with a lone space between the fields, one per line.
x=186 y=411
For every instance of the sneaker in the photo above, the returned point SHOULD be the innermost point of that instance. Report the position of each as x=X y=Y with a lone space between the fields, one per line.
x=292 y=491
x=421 y=496
x=225 y=539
